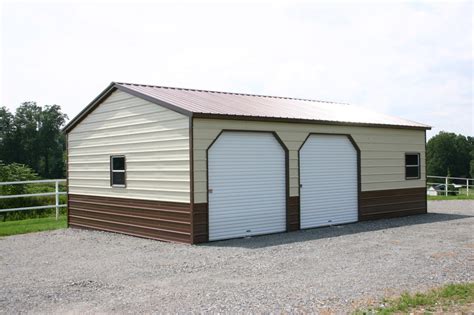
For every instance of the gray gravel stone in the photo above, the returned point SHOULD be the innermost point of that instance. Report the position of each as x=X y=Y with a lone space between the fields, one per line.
x=335 y=268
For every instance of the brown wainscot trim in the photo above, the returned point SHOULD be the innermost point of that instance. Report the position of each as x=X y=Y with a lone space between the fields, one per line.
x=200 y=223
x=159 y=220
x=391 y=203
x=293 y=218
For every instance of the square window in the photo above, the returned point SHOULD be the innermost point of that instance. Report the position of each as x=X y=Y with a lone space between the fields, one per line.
x=411 y=159
x=118 y=163
x=118 y=178
x=412 y=166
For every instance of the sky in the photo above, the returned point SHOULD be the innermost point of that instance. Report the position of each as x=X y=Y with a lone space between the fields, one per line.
x=408 y=59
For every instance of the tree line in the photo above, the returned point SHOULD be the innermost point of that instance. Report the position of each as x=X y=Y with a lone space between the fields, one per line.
x=450 y=154
x=32 y=136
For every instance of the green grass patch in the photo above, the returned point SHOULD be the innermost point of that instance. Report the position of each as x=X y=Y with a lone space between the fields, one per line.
x=32 y=225
x=457 y=197
x=451 y=297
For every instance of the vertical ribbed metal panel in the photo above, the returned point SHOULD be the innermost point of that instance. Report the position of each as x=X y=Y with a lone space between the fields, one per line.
x=328 y=170
x=247 y=180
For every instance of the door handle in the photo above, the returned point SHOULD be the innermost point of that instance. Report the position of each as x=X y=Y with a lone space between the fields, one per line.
x=210 y=190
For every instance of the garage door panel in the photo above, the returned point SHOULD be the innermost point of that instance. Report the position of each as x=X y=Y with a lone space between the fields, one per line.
x=248 y=182
x=328 y=170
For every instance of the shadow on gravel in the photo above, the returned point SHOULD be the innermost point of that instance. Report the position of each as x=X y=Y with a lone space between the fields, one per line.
x=335 y=231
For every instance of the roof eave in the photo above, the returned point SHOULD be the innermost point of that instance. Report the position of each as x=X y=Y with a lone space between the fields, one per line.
x=307 y=121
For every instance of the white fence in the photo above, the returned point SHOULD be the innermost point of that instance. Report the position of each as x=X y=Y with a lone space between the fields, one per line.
x=436 y=186
x=56 y=193
x=444 y=186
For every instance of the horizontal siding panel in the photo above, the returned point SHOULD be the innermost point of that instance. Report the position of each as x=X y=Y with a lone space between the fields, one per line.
x=144 y=218
x=135 y=183
x=154 y=140
x=168 y=120
x=383 y=154
x=146 y=194
x=139 y=110
x=390 y=147
x=392 y=203
x=151 y=127
x=135 y=173
x=382 y=163
x=384 y=140
x=139 y=142
x=151 y=134
x=392 y=185
x=134 y=165
x=167 y=152
x=387 y=170
x=133 y=125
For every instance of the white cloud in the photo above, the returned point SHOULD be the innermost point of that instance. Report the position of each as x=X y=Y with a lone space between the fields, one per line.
x=410 y=60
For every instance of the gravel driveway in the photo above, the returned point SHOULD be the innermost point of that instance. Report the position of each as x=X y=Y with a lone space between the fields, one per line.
x=334 y=268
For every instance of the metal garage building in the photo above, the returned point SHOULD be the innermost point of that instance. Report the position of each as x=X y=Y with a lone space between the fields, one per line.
x=195 y=166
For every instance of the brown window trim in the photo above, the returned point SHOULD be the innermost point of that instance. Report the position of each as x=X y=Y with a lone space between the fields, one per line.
x=419 y=165
x=112 y=171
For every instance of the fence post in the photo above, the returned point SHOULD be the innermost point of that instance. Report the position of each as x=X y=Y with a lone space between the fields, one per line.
x=57 y=199
x=446 y=187
x=467 y=187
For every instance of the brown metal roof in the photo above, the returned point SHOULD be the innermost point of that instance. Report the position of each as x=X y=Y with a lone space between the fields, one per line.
x=214 y=104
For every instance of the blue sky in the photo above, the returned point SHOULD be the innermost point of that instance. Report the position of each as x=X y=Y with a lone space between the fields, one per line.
x=410 y=59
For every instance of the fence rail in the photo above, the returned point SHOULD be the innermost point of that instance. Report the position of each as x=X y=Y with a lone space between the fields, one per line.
x=56 y=193
x=445 y=185
x=435 y=185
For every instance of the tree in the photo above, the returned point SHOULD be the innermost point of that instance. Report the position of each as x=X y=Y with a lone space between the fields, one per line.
x=472 y=164
x=33 y=137
x=448 y=152
x=25 y=136
x=12 y=173
x=6 y=133
x=52 y=140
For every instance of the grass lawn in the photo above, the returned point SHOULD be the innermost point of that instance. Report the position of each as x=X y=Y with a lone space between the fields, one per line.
x=32 y=225
x=450 y=298
x=457 y=197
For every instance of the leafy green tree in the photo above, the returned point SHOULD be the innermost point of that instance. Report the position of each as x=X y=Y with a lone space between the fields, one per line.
x=6 y=133
x=26 y=125
x=448 y=152
x=12 y=173
x=32 y=136
x=472 y=164
x=18 y=172
x=52 y=140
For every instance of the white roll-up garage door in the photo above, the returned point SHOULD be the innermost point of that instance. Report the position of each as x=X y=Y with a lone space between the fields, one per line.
x=247 y=185
x=328 y=179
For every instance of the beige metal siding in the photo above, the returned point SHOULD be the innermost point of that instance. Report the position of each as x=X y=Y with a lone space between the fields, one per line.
x=155 y=141
x=382 y=151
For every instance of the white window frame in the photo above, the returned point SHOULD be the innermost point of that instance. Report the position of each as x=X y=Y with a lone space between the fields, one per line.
x=418 y=165
x=112 y=171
